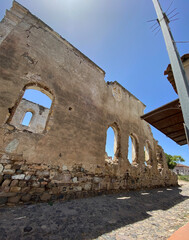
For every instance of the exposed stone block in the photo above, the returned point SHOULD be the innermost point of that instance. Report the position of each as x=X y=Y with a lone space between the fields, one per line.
x=5 y=157
x=64 y=178
x=9 y=171
x=8 y=166
x=26 y=198
x=6 y=189
x=15 y=199
x=19 y=176
x=6 y=183
x=37 y=190
x=25 y=189
x=14 y=183
x=5 y=161
x=15 y=189
x=42 y=174
x=24 y=167
x=97 y=179
x=64 y=168
x=27 y=177
x=35 y=184
x=74 y=180
x=1 y=168
x=87 y=186
x=78 y=188
x=8 y=194
x=22 y=184
x=45 y=196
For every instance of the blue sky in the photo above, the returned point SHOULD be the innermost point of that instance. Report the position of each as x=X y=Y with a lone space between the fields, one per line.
x=117 y=37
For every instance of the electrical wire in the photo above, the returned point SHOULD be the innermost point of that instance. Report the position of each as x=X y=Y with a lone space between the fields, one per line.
x=174 y=15
x=174 y=19
x=155 y=28
x=152 y=20
x=157 y=32
x=171 y=12
x=153 y=25
x=182 y=42
x=169 y=6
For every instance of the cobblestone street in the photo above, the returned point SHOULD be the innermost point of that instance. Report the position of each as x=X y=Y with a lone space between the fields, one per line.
x=148 y=215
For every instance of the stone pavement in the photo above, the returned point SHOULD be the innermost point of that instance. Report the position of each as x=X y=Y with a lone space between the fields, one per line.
x=146 y=215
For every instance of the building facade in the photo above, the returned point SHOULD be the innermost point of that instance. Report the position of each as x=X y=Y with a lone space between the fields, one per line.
x=61 y=153
x=181 y=169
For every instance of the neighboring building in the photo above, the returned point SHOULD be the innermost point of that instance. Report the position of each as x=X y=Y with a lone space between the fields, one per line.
x=169 y=73
x=168 y=118
x=181 y=169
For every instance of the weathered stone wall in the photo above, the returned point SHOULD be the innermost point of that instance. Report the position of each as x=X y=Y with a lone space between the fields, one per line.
x=72 y=145
x=38 y=120
x=21 y=181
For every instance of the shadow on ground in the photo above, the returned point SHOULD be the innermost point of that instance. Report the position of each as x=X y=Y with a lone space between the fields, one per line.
x=84 y=218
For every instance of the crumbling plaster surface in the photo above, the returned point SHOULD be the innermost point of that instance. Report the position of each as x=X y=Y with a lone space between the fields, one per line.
x=83 y=106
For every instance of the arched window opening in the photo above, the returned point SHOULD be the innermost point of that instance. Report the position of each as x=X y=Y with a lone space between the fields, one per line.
x=112 y=143
x=147 y=154
x=160 y=160
x=32 y=112
x=37 y=97
x=132 y=149
x=110 y=140
x=27 y=119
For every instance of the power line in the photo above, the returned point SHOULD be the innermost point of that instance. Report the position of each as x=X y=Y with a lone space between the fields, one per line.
x=171 y=12
x=157 y=32
x=174 y=16
x=152 y=20
x=174 y=19
x=169 y=6
x=182 y=42
x=155 y=28
x=153 y=25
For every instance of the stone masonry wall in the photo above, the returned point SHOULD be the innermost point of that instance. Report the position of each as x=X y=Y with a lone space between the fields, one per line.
x=25 y=182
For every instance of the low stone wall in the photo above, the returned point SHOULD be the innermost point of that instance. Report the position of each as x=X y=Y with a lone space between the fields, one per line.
x=25 y=182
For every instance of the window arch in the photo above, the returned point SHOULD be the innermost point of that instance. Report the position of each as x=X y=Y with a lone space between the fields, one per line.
x=159 y=157
x=147 y=154
x=27 y=118
x=132 y=149
x=33 y=109
x=112 y=148
x=110 y=144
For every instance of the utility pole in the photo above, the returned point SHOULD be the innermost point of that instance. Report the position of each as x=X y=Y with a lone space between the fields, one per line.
x=179 y=74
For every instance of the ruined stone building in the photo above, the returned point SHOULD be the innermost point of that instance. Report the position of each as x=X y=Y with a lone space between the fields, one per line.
x=60 y=154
